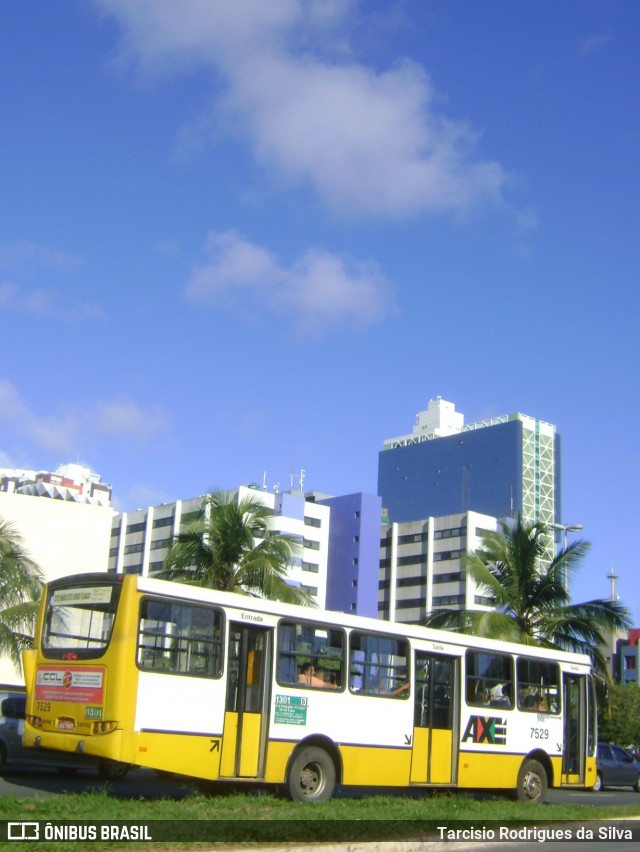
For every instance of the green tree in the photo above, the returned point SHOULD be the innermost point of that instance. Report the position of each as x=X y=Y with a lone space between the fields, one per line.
x=20 y=591
x=532 y=604
x=619 y=715
x=230 y=546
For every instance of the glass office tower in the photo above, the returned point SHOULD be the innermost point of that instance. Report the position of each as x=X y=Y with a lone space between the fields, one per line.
x=502 y=467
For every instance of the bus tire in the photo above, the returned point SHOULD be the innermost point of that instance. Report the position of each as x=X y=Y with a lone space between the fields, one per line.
x=311 y=776
x=532 y=782
x=112 y=770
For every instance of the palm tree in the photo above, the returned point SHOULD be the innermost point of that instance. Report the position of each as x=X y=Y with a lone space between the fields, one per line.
x=20 y=591
x=531 y=599
x=230 y=546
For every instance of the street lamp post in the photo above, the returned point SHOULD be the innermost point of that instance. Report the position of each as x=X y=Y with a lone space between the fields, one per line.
x=565 y=528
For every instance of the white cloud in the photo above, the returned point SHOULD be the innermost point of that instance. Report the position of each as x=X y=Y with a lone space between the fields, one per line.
x=369 y=142
x=46 y=303
x=28 y=254
x=594 y=44
x=67 y=433
x=24 y=258
x=319 y=290
x=124 y=418
x=49 y=432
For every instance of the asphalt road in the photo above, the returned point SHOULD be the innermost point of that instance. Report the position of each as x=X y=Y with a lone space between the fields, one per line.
x=35 y=781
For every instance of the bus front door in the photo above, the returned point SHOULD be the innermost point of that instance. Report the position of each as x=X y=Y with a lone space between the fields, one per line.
x=245 y=720
x=574 y=697
x=432 y=758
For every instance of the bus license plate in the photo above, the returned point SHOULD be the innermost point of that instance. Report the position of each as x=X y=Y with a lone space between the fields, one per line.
x=66 y=724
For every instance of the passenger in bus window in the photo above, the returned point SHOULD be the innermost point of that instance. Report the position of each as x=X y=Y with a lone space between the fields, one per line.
x=402 y=689
x=309 y=677
x=497 y=696
x=534 y=701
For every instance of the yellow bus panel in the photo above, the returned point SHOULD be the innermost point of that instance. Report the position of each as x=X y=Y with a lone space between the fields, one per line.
x=250 y=745
x=376 y=766
x=193 y=755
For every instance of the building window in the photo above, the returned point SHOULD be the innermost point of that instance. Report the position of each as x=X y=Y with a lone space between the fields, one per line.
x=452 y=577
x=455 y=532
x=310 y=566
x=312 y=522
x=449 y=600
x=447 y=554
x=163 y=522
x=134 y=528
x=629 y=663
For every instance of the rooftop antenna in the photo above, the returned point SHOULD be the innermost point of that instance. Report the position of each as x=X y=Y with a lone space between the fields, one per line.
x=264 y=480
x=303 y=473
x=613 y=577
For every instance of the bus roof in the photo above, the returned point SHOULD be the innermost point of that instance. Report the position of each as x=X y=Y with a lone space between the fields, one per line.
x=255 y=604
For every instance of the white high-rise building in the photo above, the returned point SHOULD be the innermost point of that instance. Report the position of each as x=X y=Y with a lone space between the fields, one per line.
x=61 y=536
x=72 y=482
x=140 y=540
x=421 y=566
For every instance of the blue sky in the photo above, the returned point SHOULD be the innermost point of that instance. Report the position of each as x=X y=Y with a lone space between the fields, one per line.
x=240 y=239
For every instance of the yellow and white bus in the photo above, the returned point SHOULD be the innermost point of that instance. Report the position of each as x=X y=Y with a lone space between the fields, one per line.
x=233 y=688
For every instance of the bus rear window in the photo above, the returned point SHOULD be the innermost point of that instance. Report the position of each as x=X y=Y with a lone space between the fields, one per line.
x=79 y=620
x=178 y=637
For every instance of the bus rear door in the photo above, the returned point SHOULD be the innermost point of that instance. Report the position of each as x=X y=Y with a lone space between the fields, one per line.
x=245 y=723
x=432 y=758
x=576 y=698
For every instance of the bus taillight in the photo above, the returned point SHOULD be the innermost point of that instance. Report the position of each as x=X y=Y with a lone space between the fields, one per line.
x=103 y=727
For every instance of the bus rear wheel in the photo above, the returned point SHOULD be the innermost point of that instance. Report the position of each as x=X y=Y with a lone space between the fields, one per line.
x=112 y=770
x=311 y=776
x=532 y=782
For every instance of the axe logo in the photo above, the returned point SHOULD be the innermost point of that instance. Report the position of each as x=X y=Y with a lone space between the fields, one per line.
x=486 y=729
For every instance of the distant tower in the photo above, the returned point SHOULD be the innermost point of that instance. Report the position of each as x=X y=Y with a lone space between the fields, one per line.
x=613 y=577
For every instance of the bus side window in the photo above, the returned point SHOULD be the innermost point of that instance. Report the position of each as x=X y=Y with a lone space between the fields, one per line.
x=310 y=655
x=489 y=679
x=538 y=685
x=379 y=665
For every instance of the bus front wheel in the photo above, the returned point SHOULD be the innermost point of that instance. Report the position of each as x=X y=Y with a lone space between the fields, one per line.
x=311 y=776
x=532 y=782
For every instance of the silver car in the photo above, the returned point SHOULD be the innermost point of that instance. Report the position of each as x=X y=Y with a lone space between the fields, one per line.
x=615 y=767
x=12 y=709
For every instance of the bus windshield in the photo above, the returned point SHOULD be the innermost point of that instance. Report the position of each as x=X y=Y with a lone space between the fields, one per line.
x=79 y=620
